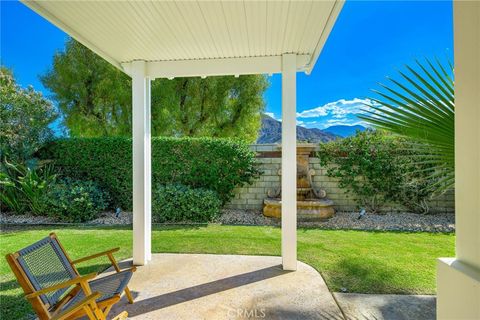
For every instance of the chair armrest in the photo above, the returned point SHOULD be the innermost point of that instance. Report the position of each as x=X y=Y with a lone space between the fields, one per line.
x=59 y=286
x=96 y=255
x=77 y=306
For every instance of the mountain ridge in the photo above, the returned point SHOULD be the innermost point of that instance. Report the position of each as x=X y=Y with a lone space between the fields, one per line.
x=271 y=132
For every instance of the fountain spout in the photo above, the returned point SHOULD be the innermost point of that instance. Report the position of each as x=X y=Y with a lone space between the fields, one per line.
x=312 y=203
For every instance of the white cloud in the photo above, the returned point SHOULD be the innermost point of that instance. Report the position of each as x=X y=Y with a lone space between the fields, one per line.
x=338 y=109
x=311 y=124
x=343 y=122
x=341 y=112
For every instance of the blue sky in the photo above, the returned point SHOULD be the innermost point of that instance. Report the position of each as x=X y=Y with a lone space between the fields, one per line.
x=371 y=40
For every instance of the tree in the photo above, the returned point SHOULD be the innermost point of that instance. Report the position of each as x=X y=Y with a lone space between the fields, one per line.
x=93 y=96
x=95 y=99
x=25 y=116
x=422 y=108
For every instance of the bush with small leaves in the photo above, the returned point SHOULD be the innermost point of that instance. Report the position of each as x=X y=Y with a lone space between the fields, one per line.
x=76 y=201
x=377 y=168
x=180 y=203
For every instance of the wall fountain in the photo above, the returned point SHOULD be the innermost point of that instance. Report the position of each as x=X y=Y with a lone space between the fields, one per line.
x=312 y=203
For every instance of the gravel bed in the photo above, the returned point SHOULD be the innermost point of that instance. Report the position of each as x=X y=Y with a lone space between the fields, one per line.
x=105 y=218
x=349 y=220
x=124 y=217
x=245 y=217
x=24 y=219
x=403 y=221
x=341 y=220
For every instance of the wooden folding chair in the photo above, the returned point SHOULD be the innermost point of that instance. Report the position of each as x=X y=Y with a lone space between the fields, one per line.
x=57 y=291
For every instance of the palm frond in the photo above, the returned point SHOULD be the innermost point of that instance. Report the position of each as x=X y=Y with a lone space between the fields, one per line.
x=421 y=106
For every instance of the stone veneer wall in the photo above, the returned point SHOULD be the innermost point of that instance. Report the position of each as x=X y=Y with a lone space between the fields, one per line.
x=269 y=162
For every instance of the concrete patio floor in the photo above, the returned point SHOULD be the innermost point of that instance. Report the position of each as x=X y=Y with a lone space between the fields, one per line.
x=202 y=286
x=356 y=306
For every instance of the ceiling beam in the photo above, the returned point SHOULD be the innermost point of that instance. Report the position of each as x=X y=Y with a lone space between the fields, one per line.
x=217 y=67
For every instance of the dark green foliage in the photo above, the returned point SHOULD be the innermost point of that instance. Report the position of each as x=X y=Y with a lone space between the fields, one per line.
x=107 y=161
x=178 y=203
x=76 y=201
x=95 y=100
x=216 y=164
x=376 y=169
x=38 y=191
x=24 y=189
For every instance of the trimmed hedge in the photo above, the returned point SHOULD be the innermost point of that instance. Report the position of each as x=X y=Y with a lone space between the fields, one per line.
x=179 y=203
x=216 y=164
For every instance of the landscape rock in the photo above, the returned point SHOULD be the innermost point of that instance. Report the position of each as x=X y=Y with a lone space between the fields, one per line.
x=342 y=220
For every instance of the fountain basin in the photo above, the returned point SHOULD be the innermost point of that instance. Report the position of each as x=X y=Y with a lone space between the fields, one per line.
x=307 y=210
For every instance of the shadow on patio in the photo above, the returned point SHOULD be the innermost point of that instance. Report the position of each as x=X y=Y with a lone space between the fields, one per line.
x=201 y=286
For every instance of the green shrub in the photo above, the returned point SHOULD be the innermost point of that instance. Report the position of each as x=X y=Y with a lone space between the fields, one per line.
x=25 y=118
x=216 y=164
x=175 y=203
x=76 y=201
x=24 y=189
x=376 y=169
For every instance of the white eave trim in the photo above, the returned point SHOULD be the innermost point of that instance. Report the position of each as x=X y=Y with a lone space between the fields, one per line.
x=332 y=18
x=62 y=26
x=217 y=67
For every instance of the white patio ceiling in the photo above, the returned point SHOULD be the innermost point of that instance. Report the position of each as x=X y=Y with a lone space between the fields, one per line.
x=202 y=37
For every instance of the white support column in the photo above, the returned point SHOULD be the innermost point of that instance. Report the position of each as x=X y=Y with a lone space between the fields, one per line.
x=458 y=279
x=141 y=125
x=148 y=170
x=289 y=162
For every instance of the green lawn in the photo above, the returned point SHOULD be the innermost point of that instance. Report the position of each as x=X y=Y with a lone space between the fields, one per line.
x=367 y=262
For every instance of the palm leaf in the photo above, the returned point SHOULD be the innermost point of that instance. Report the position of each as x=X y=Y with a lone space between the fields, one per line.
x=421 y=106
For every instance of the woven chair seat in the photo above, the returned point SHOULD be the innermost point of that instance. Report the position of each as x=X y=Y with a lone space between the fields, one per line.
x=55 y=288
x=107 y=286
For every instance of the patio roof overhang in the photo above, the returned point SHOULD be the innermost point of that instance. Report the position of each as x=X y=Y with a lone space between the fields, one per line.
x=167 y=39
x=197 y=38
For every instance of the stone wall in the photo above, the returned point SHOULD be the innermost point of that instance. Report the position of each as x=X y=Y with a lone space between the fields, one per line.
x=269 y=162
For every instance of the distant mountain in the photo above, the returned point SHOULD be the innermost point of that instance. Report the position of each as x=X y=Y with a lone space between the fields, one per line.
x=344 y=131
x=271 y=132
